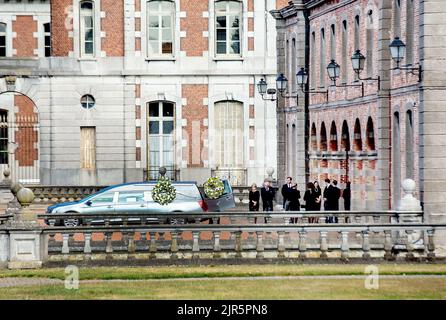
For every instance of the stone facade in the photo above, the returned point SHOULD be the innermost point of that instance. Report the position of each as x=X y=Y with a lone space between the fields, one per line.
x=392 y=131
x=123 y=77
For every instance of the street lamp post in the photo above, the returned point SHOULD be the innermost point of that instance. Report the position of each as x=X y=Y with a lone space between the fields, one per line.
x=398 y=52
x=302 y=81
x=358 y=63
x=334 y=72
x=281 y=88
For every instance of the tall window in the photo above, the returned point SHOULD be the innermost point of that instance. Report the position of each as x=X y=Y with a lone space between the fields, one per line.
x=88 y=148
x=2 y=39
x=409 y=145
x=3 y=137
x=322 y=59
x=344 y=66
x=161 y=27
x=229 y=144
x=87 y=28
x=333 y=42
x=228 y=17
x=410 y=25
x=161 y=137
x=313 y=60
x=396 y=159
x=47 y=38
x=370 y=34
x=357 y=33
x=397 y=18
x=293 y=65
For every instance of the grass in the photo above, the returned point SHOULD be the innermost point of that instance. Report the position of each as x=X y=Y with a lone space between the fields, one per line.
x=403 y=288
x=147 y=273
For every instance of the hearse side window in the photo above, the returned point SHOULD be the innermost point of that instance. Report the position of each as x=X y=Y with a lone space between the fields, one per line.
x=131 y=197
x=103 y=198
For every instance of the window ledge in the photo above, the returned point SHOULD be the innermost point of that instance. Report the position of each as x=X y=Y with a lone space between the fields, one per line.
x=87 y=59
x=160 y=59
x=228 y=58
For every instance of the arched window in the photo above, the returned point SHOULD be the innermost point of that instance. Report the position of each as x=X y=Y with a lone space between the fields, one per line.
x=161 y=137
x=396 y=159
x=370 y=34
x=4 y=139
x=344 y=65
x=333 y=137
x=370 y=135
x=333 y=42
x=2 y=39
x=410 y=25
x=229 y=138
x=357 y=33
x=345 y=139
x=228 y=27
x=313 y=137
x=87 y=101
x=293 y=64
x=409 y=145
x=357 y=141
x=87 y=24
x=161 y=26
x=313 y=60
x=396 y=18
x=323 y=138
x=322 y=61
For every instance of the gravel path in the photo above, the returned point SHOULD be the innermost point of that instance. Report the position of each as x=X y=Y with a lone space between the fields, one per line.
x=19 y=282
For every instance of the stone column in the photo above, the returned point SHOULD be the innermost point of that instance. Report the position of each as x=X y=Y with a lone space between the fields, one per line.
x=27 y=243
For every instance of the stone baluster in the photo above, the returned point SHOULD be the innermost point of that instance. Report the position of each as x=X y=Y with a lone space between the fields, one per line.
x=174 y=245
x=305 y=220
x=108 y=241
x=358 y=219
x=251 y=220
x=342 y=218
x=260 y=248
x=238 y=244
x=217 y=247
x=196 y=242
x=324 y=244
x=143 y=236
x=344 y=245
x=131 y=247
x=365 y=245
x=388 y=245
x=87 y=242
x=281 y=244
x=107 y=222
x=65 y=246
x=152 y=247
x=376 y=219
x=302 y=244
x=430 y=244
x=409 y=245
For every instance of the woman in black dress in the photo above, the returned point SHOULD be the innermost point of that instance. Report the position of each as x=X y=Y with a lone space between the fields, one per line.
x=317 y=196
x=294 y=197
x=310 y=200
x=254 y=199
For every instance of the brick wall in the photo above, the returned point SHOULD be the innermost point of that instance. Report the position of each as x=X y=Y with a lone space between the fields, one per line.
x=194 y=44
x=24 y=43
x=194 y=112
x=61 y=25
x=26 y=135
x=113 y=25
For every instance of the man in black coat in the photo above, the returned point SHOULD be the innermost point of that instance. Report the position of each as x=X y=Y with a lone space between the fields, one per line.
x=286 y=193
x=327 y=195
x=336 y=195
x=267 y=193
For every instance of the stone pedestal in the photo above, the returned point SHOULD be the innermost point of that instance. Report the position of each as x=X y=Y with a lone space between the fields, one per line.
x=26 y=246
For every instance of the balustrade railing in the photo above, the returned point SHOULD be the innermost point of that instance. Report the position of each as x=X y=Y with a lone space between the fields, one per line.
x=239 y=236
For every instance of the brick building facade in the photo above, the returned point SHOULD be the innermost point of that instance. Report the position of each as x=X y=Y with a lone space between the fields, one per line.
x=120 y=87
x=390 y=131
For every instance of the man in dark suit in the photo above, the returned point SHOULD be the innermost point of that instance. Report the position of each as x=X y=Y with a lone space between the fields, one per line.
x=336 y=195
x=327 y=195
x=287 y=189
x=268 y=194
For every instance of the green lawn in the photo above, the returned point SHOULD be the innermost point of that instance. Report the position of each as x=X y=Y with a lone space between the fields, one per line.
x=426 y=288
x=143 y=273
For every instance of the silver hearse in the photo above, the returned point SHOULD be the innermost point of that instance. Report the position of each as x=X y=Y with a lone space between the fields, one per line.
x=136 y=198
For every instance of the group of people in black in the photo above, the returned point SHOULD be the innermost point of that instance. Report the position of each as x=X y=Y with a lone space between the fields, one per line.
x=313 y=197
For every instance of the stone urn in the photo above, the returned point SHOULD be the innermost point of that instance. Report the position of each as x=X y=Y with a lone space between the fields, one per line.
x=25 y=197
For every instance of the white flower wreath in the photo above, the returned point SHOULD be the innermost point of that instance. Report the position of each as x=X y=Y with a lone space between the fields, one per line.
x=164 y=192
x=214 y=188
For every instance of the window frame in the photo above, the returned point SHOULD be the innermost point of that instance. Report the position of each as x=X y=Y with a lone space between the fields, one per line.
x=88 y=102
x=4 y=137
x=5 y=35
x=160 y=13
x=82 y=41
x=46 y=35
x=228 y=41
